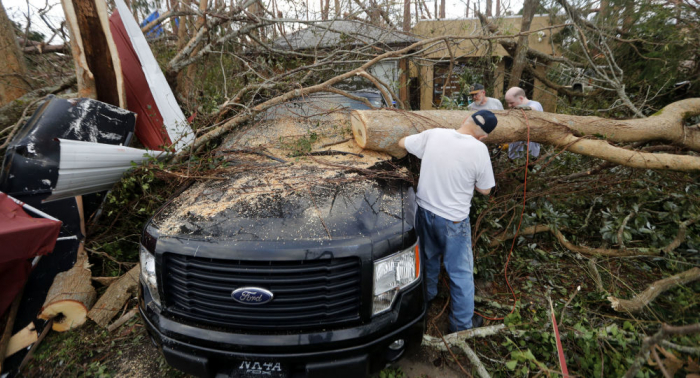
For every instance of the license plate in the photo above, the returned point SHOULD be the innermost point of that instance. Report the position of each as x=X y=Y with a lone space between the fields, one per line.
x=259 y=369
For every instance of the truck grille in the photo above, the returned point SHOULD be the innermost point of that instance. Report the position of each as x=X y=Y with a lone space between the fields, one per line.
x=307 y=294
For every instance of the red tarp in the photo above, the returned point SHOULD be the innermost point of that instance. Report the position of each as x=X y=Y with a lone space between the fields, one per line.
x=21 y=238
x=139 y=99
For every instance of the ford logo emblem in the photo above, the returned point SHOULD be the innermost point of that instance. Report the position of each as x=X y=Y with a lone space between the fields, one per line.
x=252 y=295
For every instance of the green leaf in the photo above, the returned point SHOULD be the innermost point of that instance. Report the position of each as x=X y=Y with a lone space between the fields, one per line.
x=511 y=364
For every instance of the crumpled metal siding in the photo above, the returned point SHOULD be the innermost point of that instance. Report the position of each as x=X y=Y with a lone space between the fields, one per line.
x=86 y=167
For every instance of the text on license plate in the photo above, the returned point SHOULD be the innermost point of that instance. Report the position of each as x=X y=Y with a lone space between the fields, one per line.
x=260 y=369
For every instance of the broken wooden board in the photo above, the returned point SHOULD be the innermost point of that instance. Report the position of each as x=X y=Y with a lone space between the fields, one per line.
x=95 y=55
x=22 y=339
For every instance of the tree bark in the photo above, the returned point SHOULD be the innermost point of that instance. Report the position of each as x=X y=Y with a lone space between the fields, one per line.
x=381 y=130
x=642 y=299
x=71 y=296
x=201 y=22
x=13 y=70
x=114 y=298
x=520 y=58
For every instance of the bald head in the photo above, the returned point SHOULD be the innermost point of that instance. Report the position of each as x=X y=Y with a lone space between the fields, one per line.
x=516 y=96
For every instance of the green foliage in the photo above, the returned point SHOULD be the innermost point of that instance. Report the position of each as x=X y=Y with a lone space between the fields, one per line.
x=128 y=206
x=391 y=373
x=652 y=56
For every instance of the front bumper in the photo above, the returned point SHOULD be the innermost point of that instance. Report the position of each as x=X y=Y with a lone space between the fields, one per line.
x=350 y=352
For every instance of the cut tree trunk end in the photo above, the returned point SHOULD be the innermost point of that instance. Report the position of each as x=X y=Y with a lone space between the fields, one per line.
x=380 y=130
x=115 y=297
x=642 y=299
x=71 y=296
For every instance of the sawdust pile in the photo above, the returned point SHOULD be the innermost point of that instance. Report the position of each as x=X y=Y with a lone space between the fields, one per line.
x=288 y=159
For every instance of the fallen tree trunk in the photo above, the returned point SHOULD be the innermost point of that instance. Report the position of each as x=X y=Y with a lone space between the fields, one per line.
x=642 y=299
x=114 y=298
x=71 y=296
x=381 y=130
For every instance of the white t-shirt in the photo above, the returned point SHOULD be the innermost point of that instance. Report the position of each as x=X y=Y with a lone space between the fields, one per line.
x=491 y=104
x=517 y=150
x=452 y=164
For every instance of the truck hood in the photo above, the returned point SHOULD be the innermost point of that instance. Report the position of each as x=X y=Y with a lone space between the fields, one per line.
x=288 y=203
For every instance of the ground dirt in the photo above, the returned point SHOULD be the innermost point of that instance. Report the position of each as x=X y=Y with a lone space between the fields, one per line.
x=128 y=352
x=134 y=356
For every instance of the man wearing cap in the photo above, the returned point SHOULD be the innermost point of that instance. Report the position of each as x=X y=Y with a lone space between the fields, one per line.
x=454 y=164
x=481 y=102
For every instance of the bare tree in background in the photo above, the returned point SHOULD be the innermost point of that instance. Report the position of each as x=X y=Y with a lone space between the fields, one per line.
x=407 y=15
x=520 y=58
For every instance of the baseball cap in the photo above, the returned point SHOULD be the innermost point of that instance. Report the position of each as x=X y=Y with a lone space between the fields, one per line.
x=486 y=120
x=475 y=88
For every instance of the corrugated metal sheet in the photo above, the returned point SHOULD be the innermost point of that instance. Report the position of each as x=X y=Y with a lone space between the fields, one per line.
x=86 y=167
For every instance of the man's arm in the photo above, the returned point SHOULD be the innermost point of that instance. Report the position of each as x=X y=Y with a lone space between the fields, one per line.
x=485 y=192
x=402 y=142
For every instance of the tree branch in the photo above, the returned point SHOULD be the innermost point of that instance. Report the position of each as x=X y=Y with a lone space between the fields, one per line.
x=643 y=299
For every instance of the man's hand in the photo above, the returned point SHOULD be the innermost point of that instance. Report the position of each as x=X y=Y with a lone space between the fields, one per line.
x=402 y=142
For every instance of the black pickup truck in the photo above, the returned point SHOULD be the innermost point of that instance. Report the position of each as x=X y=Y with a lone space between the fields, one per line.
x=295 y=261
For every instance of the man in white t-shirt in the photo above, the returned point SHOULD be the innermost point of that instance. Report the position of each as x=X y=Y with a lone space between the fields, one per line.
x=516 y=97
x=454 y=163
x=481 y=102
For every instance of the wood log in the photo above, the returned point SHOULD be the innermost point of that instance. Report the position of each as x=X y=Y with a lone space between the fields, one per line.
x=642 y=299
x=380 y=130
x=115 y=297
x=71 y=296
x=22 y=339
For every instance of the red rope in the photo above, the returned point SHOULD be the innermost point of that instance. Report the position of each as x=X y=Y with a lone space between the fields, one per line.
x=510 y=253
x=560 y=349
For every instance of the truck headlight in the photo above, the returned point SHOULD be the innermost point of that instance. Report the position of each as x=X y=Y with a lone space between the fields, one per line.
x=392 y=274
x=148 y=273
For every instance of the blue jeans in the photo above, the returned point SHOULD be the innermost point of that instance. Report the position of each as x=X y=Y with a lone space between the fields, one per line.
x=439 y=236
